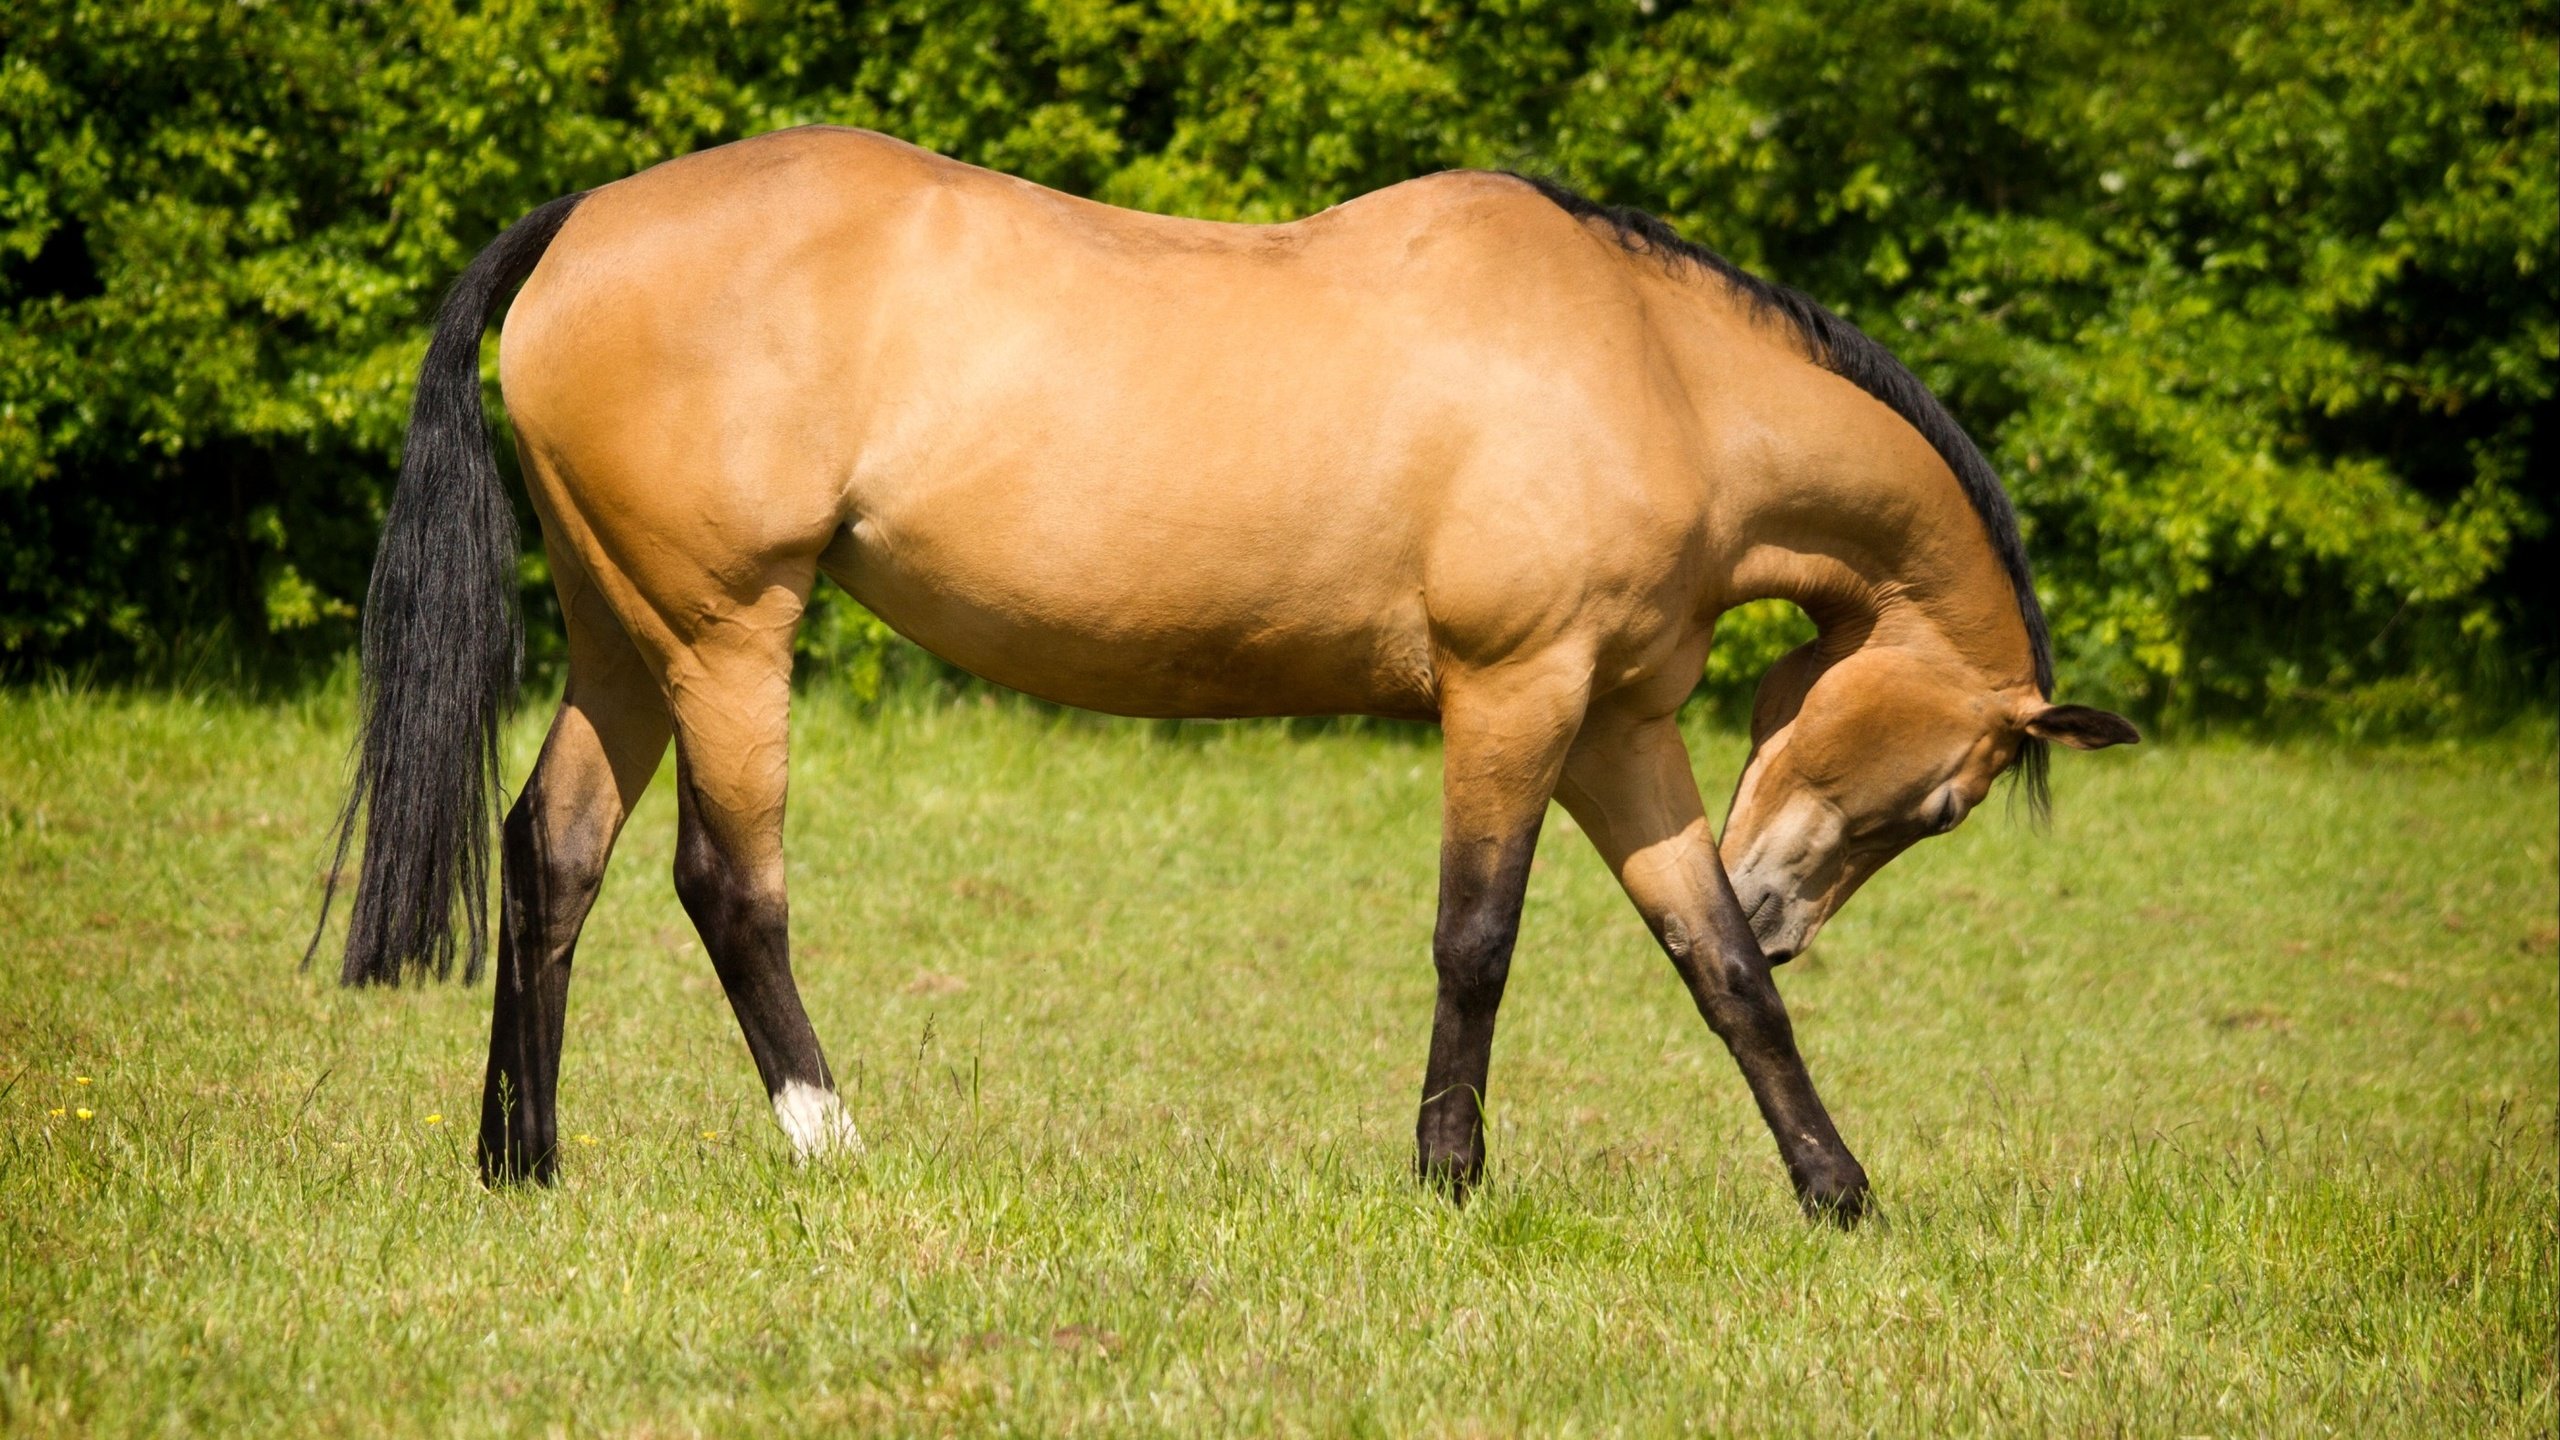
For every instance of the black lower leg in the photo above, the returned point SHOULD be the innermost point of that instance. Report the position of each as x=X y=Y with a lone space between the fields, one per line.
x=548 y=882
x=744 y=920
x=1740 y=1001
x=1481 y=888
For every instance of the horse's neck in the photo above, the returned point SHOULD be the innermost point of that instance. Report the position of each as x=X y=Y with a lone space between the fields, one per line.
x=1874 y=558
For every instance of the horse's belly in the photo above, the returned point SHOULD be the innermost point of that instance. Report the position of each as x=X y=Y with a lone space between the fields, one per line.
x=1139 y=627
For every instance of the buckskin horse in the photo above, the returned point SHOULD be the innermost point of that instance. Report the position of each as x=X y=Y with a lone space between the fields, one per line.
x=1471 y=449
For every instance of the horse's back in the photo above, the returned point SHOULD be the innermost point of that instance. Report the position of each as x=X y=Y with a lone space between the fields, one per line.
x=1125 y=460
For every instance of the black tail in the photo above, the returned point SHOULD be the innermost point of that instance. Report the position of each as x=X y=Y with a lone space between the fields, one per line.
x=443 y=644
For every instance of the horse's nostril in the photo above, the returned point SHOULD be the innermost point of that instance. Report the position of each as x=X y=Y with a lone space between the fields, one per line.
x=1780 y=957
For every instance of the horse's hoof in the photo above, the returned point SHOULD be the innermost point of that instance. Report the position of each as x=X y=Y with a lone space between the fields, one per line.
x=1841 y=1196
x=1454 y=1177
x=507 y=1168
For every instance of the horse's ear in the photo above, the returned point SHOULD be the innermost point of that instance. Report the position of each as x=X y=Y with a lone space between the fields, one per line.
x=2082 y=727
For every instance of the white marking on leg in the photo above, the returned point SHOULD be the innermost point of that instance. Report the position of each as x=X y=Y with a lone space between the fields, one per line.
x=815 y=1120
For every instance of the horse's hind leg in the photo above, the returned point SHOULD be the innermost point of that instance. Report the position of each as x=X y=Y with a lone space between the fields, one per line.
x=731 y=689
x=603 y=747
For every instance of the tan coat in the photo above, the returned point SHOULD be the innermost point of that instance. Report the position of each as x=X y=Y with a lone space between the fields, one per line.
x=1442 y=452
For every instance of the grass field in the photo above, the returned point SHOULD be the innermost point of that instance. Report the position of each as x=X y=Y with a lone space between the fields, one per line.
x=2225 y=1107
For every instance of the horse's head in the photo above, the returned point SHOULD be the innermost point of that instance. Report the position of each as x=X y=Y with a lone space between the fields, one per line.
x=1853 y=759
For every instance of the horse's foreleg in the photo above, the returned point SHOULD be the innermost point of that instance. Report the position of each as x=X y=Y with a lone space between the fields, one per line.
x=733 y=722
x=1505 y=741
x=1628 y=784
x=603 y=747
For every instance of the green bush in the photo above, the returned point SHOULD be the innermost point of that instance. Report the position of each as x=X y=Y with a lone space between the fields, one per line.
x=2253 y=305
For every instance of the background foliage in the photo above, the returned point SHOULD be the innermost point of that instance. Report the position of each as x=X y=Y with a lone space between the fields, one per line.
x=2253 y=304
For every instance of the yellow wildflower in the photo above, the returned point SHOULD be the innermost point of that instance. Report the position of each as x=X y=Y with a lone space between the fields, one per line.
x=57 y=1110
x=436 y=1119
x=79 y=1079
x=587 y=1140
x=83 y=1112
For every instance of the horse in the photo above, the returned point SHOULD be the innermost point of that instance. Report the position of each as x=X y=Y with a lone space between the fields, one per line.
x=1471 y=449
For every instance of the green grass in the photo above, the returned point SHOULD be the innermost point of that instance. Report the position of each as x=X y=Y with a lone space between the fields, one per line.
x=2226 y=1107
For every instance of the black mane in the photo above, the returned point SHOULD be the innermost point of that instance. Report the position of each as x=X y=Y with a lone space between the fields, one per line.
x=1848 y=352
